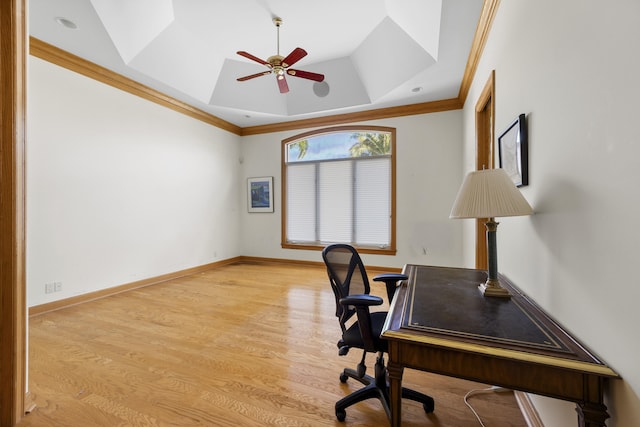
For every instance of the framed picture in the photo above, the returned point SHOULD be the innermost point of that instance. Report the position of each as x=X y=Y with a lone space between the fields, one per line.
x=513 y=151
x=260 y=194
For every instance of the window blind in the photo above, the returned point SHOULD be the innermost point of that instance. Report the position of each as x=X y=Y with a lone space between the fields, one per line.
x=340 y=201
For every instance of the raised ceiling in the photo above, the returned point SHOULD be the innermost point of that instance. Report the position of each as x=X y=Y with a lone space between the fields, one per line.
x=374 y=53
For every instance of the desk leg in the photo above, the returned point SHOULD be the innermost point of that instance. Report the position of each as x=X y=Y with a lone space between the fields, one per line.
x=395 y=392
x=591 y=414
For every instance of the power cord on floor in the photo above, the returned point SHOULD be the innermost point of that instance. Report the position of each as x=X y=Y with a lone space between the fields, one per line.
x=491 y=389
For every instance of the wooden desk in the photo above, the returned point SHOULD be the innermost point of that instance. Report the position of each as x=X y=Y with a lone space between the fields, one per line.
x=439 y=322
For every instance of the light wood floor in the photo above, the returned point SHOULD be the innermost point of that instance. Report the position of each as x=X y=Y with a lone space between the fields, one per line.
x=241 y=345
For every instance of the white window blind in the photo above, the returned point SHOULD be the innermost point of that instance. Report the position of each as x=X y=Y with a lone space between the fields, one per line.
x=301 y=202
x=373 y=202
x=335 y=186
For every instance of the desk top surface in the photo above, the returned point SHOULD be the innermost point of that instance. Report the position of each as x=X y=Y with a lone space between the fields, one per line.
x=443 y=306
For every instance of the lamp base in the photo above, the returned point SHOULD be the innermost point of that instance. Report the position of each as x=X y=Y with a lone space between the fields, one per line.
x=492 y=288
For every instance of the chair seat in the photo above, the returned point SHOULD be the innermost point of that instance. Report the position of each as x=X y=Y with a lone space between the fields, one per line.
x=353 y=338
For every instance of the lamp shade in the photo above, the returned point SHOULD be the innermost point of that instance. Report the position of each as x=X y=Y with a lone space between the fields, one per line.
x=489 y=193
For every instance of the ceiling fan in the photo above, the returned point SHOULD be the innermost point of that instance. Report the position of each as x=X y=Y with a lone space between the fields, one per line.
x=279 y=65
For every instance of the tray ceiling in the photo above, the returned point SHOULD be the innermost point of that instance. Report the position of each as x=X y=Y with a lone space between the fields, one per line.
x=373 y=53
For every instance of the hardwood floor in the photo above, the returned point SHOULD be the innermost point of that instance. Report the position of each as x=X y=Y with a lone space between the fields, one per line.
x=241 y=345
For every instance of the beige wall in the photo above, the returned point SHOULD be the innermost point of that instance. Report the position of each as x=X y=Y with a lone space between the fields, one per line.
x=120 y=189
x=570 y=67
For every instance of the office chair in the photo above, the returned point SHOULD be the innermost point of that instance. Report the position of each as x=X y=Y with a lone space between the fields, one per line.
x=350 y=285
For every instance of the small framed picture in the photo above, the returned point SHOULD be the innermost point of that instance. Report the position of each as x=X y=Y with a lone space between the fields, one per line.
x=260 y=194
x=513 y=151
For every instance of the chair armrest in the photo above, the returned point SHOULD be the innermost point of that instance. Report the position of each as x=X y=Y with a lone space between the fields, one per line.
x=391 y=280
x=390 y=276
x=361 y=300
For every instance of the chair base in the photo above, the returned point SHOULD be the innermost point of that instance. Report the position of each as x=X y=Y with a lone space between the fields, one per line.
x=377 y=388
x=370 y=390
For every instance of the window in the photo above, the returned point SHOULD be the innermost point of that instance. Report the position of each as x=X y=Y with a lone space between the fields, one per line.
x=338 y=187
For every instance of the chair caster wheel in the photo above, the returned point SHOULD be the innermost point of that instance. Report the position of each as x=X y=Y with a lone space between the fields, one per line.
x=343 y=378
x=341 y=414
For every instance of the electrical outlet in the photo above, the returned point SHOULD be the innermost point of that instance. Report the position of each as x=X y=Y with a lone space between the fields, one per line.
x=52 y=287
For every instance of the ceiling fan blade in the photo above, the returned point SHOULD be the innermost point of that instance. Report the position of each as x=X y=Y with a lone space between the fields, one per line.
x=295 y=56
x=253 y=58
x=253 y=76
x=306 y=75
x=282 y=84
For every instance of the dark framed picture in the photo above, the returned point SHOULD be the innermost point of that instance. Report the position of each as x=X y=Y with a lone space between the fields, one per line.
x=260 y=194
x=514 y=151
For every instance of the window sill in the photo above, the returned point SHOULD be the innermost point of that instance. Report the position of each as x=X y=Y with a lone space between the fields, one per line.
x=360 y=249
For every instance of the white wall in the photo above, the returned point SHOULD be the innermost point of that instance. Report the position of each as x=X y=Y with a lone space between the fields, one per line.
x=120 y=189
x=428 y=152
x=571 y=67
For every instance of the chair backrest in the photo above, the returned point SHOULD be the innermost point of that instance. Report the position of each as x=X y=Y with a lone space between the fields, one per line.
x=347 y=276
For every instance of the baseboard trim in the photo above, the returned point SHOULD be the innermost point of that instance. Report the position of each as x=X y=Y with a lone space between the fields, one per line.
x=529 y=411
x=262 y=260
x=370 y=268
x=103 y=293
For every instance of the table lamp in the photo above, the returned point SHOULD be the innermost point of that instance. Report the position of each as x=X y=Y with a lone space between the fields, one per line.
x=490 y=193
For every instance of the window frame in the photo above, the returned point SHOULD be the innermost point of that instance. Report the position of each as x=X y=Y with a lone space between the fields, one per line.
x=391 y=249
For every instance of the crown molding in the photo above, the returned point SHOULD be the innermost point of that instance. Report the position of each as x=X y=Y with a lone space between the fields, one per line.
x=60 y=57
x=380 y=113
x=488 y=13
